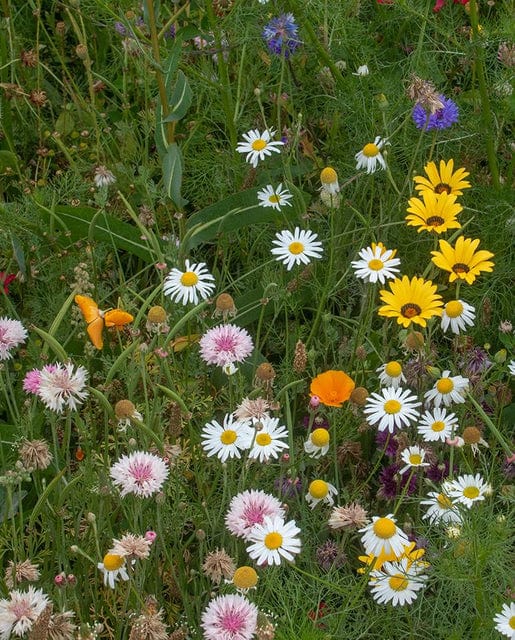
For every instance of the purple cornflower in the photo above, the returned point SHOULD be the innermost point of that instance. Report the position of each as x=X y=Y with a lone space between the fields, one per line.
x=391 y=448
x=119 y=27
x=319 y=421
x=476 y=361
x=288 y=487
x=438 y=471
x=281 y=35
x=393 y=482
x=441 y=119
x=330 y=556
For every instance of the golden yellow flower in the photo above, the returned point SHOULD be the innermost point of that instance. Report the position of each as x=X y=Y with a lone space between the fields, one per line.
x=442 y=180
x=434 y=212
x=462 y=261
x=411 y=301
x=332 y=387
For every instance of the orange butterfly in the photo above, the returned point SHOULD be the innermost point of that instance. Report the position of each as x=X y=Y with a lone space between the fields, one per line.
x=97 y=319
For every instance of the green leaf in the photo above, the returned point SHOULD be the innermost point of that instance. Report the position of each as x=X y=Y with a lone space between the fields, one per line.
x=8 y=161
x=172 y=175
x=65 y=123
x=180 y=100
x=19 y=254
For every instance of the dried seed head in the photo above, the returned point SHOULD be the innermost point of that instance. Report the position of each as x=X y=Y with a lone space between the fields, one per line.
x=265 y=372
x=157 y=315
x=82 y=51
x=359 y=396
x=224 y=306
x=424 y=93
x=29 y=58
x=35 y=454
x=217 y=565
x=471 y=435
x=38 y=97
x=124 y=409
x=300 y=357
x=60 y=28
x=414 y=341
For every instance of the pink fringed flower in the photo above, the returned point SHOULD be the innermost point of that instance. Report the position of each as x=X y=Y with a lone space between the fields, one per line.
x=140 y=473
x=250 y=508
x=20 y=611
x=12 y=334
x=230 y=617
x=225 y=345
x=61 y=386
x=32 y=380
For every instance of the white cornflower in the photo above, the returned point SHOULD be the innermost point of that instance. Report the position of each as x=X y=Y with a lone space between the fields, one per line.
x=441 y=509
x=370 y=156
x=447 y=390
x=274 y=540
x=317 y=444
x=456 y=315
x=61 y=386
x=188 y=285
x=511 y=367
x=258 y=145
x=140 y=473
x=505 y=621
x=414 y=457
x=297 y=247
x=437 y=425
x=275 y=198
x=103 y=177
x=229 y=440
x=394 y=408
x=320 y=491
x=383 y=536
x=377 y=264
x=397 y=583
x=12 y=334
x=268 y=441
x=467 y=489
x=19 y=612
x=113 y=568
x=390 y=374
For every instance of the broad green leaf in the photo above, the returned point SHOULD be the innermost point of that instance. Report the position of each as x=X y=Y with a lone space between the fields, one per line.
x=180 y=100
x=65 y=123
x=172 y=175
x=8 y=162
x=19 y=254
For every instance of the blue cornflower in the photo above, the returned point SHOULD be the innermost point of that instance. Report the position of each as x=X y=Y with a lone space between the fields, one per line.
x=281 y=35
x=441 y=119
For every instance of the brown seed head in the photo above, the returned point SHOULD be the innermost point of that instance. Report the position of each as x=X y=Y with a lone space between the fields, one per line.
x=414 y=341
x=29 y=58
x=265 y=372
x=38 y=97
x=471 y=435
x=35 y=454
x=300 y=357
x=157 y=315
x=124 y=409
x=359 y=396
x=82 y=51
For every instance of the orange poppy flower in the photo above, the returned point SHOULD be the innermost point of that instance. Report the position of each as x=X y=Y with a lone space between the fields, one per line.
x=332 y=387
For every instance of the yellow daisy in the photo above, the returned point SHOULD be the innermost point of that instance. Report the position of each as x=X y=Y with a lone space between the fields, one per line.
x=462 y=261
x=410 y=301
x=435 y=213
x=443 y=180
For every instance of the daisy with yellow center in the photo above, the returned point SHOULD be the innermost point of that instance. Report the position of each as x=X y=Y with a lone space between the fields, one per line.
x=329 y=180
x=258 y=145
x=437 y=425
x=275 y=198
x=390 y=374
x=434 y=212
x=413 y=457
x=269 y=439
x=376 y=264
x=370 y=156
x=383 y=536
x=274 y=541
x=320 y=491
x=447 y=390
x=397 y=584
x=317 y=445
x=457 y=315
x=297 y=247
x=462 y=261
x=441 y=509
x=442 y=180
x=393 y=408
x=245 y=578
x=505 y=621
x=411 y=301
x=190 y=285
x=227 y=440
x=113 y=568
x=467 y=489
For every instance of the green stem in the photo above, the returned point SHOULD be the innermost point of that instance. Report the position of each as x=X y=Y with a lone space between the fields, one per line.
x=506 y=447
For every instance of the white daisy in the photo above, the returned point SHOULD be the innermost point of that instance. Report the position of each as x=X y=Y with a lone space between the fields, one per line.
x=270 y=197
x=447 y=390
x=437 y=425
x=414 y=457
x=370 y=156
x=457 y=315
x=390 y=374
x=511 y=367
x=258 y=145
x=317 y=444
x=113 y=568
x=229 y=440
x=397 y=584
x=467 y=489
x=320 y=491
x=394 y=408
x=383 y=536
x=188 y=285
x=274 y=540
x=20 y=611
x=505 y=621
x=268 y=442
x=294 y=248
x=441 y=509
x=377 y=264
x=329 y=180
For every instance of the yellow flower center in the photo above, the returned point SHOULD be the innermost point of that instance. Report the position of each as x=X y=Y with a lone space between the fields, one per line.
x=318 y=489
x=189 y=279
x=370 y=150
x=273 y=540
x=258 y=145
x=393 y=369
x=398 y=582
x=328 y=175
x=415 y=459
x=512 y=622
x=228 y=436
x=273 y=198
x=471 y=492
x=296 y=248
x=375 y=264
x=113 y=561
x=262 y=439
x=444 y=501
x=392 y=406
x=444 y=385
x=438 y=426
x=320 y=437
x=384 y=528
x=245 y=578
x=454 y=309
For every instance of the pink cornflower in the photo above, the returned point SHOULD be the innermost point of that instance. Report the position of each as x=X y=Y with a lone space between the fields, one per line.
x=250 y=508
x=63 y=387
x=19 y=613
x=225 y=345
x=32 y=379
x=140 y=473
x=12 y=334
x=230 y=617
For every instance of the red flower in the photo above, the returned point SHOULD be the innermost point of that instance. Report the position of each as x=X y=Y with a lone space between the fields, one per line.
x=6 y=279
x=440 y=3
